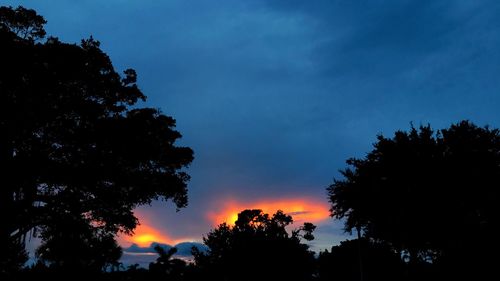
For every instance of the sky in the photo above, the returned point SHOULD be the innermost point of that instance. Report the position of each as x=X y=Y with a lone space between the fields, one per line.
x=273 y=96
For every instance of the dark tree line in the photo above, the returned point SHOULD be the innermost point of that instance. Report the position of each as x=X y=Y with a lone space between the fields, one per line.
x=78 y=153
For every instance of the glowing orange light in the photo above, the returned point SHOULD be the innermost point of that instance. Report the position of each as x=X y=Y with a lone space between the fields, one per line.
x=148 y=232
x=145 y=233
x=302 y=210
x=145 y=239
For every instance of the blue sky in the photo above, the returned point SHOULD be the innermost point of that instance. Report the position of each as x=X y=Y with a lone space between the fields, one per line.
x=274 y=96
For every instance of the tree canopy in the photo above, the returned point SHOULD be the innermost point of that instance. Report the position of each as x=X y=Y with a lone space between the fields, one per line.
x=343 y=262
x=75 y=144
x=23 y=23
x=257 y=247
x=166 y=266
x=431 y=195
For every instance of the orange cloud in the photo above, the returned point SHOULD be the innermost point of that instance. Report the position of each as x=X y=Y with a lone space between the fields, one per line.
x=145 y=233
x=301 y=209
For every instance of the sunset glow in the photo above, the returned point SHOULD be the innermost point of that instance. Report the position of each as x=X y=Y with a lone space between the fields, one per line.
x=302 y=210
x=226 y=210
x=145 y=233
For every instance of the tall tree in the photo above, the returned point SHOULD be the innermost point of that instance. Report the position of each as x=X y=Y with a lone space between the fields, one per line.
x=257 y=247
x=74 y=141
x=430 y=195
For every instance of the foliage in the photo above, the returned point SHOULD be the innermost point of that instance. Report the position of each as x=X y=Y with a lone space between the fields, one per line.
x=24 y=23
x=257 y=247
x=166 y=266
x=75 y=144
x=73 y=244
x=344 y=262
x=427 y=194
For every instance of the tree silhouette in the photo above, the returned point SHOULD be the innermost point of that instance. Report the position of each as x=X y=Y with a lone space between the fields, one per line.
x=380 y=262
x=166 y=266
x=74 y=143
x=71 y=245
x=23 y=23
x=257 y=247
x=432 y=196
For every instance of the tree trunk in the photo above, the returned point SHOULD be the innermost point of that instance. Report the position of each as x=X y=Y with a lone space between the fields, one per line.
x=361 y=274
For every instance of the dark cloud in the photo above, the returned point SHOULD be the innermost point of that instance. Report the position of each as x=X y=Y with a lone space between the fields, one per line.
x=134 y=248
x=183 y=248
x=145 y=255
x=274 y=95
